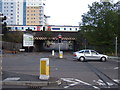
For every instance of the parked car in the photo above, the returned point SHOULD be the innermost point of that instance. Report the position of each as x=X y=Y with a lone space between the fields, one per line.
x=84 y=55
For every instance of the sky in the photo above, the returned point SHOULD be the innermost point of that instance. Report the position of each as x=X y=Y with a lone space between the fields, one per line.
x=66 y=12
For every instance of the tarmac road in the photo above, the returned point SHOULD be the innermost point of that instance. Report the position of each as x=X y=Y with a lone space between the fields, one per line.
x=65 y=73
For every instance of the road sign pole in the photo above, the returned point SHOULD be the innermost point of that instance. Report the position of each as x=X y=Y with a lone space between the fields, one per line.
x=59 y=48
x=59 y=41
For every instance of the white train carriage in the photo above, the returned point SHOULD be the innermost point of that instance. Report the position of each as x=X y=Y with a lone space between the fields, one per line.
x=65 y=28
x=45 y=28
x=24 y=28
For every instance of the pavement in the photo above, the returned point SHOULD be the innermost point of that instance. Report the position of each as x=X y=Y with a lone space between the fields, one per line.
x=114 y=57
x=25 y=80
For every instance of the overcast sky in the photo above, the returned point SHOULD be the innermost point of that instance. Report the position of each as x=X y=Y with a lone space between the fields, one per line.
x=66 y=12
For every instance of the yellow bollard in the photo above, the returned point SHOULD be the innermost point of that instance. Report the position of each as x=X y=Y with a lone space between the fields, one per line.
x=61 y=54
x=53 y=52
x=44 y=69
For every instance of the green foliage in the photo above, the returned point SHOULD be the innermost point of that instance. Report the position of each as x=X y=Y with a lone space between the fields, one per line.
x=100 y=25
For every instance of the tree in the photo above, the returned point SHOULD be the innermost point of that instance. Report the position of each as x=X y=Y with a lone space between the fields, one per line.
x=100 y=24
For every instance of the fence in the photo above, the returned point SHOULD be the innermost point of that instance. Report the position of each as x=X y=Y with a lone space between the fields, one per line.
x=11 y=46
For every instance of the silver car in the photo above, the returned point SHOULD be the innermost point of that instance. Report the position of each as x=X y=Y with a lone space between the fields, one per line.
x=84 y=55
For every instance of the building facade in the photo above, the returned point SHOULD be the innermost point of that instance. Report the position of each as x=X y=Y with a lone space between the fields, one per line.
x=0 y=6
x=24 y=12
x=13 y=9
x=34 y=16
x=35 y=12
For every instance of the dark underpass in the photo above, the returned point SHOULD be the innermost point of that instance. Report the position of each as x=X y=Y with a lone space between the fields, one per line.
x=45 y=41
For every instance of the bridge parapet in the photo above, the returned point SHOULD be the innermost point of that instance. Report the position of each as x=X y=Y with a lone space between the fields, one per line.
x=54 y=35
x=53 y=38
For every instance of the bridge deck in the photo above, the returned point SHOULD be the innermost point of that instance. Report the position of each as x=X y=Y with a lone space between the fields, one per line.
x=54 y=35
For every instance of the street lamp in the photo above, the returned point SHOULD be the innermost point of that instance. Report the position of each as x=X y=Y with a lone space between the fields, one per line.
x=116 y=38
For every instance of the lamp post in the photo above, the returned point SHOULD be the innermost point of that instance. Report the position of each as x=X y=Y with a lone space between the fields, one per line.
x=85 y=44
x=116 y=38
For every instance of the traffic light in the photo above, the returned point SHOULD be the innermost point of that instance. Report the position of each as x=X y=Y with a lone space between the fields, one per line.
x=2 y=18
x=59 y=38
x=2 y=23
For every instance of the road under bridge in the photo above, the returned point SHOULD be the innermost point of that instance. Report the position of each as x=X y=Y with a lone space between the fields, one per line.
x=49 y=40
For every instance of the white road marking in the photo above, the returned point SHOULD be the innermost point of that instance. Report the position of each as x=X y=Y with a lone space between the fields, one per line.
x=116 y=68
x=87 y=84
x=12 y=79
x=101 y=83
x=59 y=82
x=76 y=82
x=56 y=68
x=116 y=80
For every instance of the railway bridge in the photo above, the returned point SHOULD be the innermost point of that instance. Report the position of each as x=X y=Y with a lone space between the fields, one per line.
x=49 y=40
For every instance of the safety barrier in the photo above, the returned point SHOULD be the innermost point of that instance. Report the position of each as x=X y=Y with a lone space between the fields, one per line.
x=44 y=69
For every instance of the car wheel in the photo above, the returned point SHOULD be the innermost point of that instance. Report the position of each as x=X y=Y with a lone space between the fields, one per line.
x=103 y=59
x=82 y=59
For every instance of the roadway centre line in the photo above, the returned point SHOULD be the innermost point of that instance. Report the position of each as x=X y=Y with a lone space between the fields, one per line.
x=116 y=68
